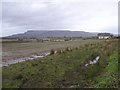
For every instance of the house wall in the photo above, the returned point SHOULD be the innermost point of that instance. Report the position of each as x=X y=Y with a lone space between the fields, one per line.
x=100 y=37
x=104 y=37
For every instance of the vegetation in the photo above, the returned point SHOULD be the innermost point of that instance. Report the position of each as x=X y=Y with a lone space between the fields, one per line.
x=13 y=50
x=52 y=52
x=67 y=69
x=8 y=40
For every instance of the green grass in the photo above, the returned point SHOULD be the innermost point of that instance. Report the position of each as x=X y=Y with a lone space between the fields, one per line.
x=109 y=77
x=8 y=40
x=67 y=69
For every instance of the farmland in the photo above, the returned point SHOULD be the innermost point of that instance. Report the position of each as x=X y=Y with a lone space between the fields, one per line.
x=64 y=69
x=12 y=49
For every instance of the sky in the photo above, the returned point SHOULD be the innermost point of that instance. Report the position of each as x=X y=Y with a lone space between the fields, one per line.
x=74 y=15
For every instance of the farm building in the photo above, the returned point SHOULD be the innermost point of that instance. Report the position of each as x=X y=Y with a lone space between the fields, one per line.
x=104 y=35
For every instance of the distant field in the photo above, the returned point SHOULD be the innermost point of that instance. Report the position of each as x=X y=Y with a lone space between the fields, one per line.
x=67 y=69
x=13 y=50
x=8 y=40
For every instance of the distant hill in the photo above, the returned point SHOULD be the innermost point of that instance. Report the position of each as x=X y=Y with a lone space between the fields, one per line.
x=53 y=33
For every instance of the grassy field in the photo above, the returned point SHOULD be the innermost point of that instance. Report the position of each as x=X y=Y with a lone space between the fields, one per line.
x=13 y=50
x=8 y=40
x=67 y=69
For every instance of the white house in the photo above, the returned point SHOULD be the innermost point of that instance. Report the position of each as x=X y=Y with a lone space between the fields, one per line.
x=104 y=35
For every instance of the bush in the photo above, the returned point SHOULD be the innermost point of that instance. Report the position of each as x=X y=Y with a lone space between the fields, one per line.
x=59 y=51
x=52 y=52
x=19 y=77
x=67 y=49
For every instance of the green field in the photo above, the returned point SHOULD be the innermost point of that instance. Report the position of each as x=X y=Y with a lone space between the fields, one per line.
x=67 y=69
x=8 y=40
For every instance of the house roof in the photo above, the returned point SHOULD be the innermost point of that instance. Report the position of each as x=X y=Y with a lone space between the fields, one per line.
x=104 y=34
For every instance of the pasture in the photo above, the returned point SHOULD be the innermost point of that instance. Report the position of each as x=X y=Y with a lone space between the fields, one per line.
x=67 y=69
x=14 y=49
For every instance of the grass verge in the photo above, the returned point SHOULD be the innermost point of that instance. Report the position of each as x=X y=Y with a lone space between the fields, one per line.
x=67 y=69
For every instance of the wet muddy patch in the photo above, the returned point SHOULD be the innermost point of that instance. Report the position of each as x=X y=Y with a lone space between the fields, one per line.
x=32 y=57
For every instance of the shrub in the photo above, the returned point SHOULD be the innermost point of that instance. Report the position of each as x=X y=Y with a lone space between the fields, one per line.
x=59 y=51
x=19 y=77
x=77 y=48
x=52 y=52
x=67 y=49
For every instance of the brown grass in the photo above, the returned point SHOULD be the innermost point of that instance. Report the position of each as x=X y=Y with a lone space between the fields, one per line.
x=19 y=50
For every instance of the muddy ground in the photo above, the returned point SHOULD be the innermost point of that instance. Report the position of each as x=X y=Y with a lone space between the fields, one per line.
x=13 y=51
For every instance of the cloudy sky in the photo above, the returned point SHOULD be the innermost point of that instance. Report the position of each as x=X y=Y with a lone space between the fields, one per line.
x=75 y=15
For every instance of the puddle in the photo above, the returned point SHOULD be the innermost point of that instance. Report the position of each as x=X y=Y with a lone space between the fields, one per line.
x=32 y=57
x=93 y=61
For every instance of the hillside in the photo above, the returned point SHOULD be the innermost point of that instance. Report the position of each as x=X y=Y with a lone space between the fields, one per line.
x=53 y=33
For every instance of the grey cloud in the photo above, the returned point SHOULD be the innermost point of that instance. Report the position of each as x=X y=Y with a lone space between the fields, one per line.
x=58 y=15
x=49 y=16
